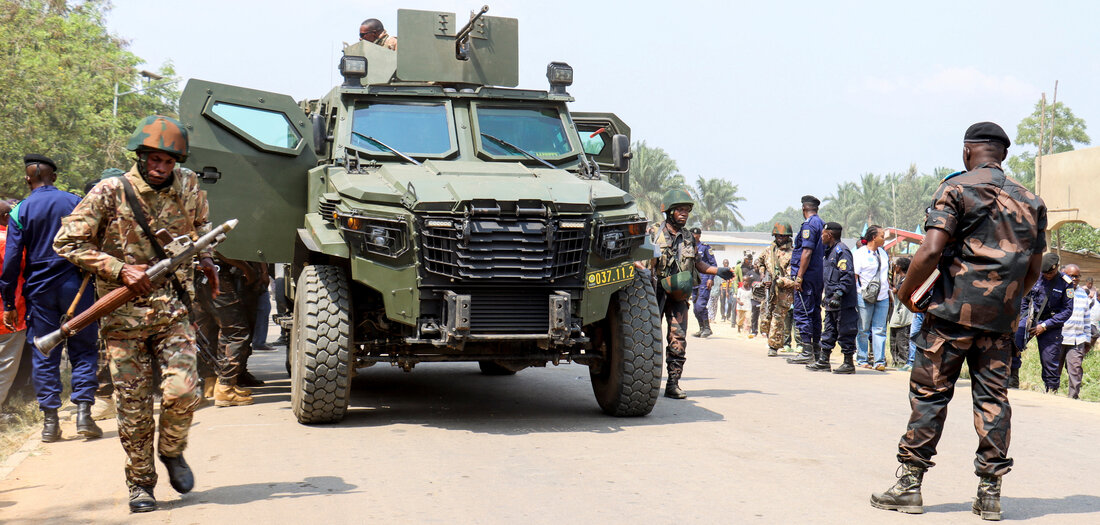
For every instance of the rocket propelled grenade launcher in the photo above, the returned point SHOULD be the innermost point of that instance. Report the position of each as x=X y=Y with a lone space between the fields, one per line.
x=181 y=250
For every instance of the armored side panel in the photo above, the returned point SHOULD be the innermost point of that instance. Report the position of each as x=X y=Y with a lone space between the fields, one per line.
x=381 y=61
x=426 y=49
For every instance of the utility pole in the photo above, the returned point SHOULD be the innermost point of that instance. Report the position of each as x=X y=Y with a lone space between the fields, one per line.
x=148 y=75
x=1053 y=117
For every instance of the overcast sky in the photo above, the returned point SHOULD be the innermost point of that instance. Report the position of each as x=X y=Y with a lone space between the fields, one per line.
x=782 y=98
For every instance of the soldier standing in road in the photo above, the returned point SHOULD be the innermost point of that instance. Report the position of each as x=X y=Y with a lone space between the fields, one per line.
x=371 y=30
x=51 y=286
x=775 y=264
x=104 y=235
x=841 y=309
x=807 y=268
x=703 y=289
x=1052 y=301
x=986 y=235
x=677 y=269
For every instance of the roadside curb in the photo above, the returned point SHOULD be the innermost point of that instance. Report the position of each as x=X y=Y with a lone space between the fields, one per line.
x=30 y=445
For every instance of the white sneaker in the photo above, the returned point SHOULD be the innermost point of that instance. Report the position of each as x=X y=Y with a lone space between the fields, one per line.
x=104 y=408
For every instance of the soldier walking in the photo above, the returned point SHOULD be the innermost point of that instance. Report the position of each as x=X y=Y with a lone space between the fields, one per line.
x=841 y=309
x=677 y=270
x=807 y=268
x=986 y=235
x=110 y=233
x=775 y=264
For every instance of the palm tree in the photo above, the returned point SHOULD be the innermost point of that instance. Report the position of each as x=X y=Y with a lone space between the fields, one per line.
x=716 y=203
x=652 y=172
x=873 y=199
x=843 y=207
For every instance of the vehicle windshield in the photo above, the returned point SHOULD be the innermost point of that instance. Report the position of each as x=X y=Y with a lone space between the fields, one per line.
x=413 y=129
x=537 y=130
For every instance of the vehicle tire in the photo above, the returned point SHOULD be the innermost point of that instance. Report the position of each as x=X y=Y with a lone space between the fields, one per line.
x=629 y=379
x=492 y=368
x=320 y=346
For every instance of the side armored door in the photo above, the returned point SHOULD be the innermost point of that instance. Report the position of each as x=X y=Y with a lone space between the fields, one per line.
x=596 y=131
x=254 y=149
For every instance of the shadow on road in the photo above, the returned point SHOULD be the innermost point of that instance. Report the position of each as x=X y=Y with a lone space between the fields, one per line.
x=249 y=492
x=1028 y=508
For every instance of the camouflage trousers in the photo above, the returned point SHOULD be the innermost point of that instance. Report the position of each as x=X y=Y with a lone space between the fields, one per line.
x=134 y=355
x=773 y=320
x=675 y=314
x=944 y=347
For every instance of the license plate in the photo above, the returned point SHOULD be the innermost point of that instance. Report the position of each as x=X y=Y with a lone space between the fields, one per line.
x=609 y=276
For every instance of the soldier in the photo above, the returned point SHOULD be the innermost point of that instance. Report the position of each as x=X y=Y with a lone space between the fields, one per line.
x=775 y=264
x=986 y=235
x=807 y=268
x=371 y=30
x=108 y=234
x=677 y=268
x=51 y=288
x=1052 y=301
x=703 y=289
x=841 y=309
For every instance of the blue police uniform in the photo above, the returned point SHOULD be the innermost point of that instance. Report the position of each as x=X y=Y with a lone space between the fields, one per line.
x=841 y=325
x=702 y=293
x=807 y=302
x=50 y=285
x=1058 y=309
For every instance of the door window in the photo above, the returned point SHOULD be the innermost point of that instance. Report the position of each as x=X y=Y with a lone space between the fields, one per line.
x=270 y=128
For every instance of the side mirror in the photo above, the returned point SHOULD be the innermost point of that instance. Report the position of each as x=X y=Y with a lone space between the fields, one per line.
x=620 y=152
x=320 y=133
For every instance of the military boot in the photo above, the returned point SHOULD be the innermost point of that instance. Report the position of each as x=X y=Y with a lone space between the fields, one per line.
x=179 y=473
x=705 y=333
x=806 y=357
x=848 y=367
x=208 y=386
x=51 y=427
x=773 y=352
x=226 y=395
x=85 y=425
x=904 y=496
x=672 y=387
x=988 y=503
x=141 y=499
x=104 y=408
x=1014 y=379
x=822 y=363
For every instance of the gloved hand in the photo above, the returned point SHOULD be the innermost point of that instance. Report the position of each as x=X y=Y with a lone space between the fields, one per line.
x=725 y=272
x=833 y=302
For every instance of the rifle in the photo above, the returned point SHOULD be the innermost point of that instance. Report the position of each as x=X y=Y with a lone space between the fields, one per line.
x=180 y=251
x=1034 y=310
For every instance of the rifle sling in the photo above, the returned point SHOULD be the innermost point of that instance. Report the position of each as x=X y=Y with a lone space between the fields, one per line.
x=139 y=217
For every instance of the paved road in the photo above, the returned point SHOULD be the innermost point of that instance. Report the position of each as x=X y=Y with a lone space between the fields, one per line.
x=758 y=441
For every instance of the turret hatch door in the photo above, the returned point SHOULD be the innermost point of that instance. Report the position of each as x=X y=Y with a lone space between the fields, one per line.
x=256 y=148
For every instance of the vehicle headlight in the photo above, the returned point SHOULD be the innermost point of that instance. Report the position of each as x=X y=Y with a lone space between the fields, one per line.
x=374 y=235
x=615 y=240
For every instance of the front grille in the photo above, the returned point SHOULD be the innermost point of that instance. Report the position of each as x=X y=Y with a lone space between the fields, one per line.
x=326 y=205
x=501 y=247
x=508 y=311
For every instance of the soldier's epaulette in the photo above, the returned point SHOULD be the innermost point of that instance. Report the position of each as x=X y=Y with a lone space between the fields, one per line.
x=952 y=175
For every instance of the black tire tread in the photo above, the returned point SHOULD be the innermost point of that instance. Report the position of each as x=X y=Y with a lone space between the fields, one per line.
x=642 y=351
x=322 y=388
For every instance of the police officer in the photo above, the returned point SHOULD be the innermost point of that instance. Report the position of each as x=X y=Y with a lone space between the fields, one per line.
x=985 y=268
x=1052 y=300
x=51 y=285
x=774 y=263
x=841 y=310
x=807 y=268
x=703 y=290
x=104 y=235
x=677 y=269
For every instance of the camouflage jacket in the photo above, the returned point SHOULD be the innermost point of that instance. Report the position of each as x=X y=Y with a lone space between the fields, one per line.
x=677 y=252
x=387 y=41
x=101 y=235
x=776 y=261
x=995 y=225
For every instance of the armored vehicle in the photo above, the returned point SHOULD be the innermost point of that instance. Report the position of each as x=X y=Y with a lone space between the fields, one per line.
x=428 y=211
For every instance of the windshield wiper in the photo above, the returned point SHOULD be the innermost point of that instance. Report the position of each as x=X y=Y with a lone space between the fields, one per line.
x=383 y=145
x=518 y=149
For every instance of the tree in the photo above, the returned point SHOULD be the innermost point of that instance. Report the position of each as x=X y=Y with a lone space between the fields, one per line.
x=1061 y=133
x=653 y=172
x=791 y=216
x=58 y=68
x=715 y=203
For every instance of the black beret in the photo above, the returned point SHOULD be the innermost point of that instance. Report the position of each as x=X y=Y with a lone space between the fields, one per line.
x=696 y=231
x=834 y=226
x=810 y=199
x=986 y=132
x=34 y=158
x=1050 y=261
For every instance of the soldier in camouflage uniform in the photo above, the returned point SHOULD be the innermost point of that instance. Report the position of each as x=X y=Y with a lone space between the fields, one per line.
x=677 y=270
x=775 y=263
x=371 y=30
x=102 y=236
x=986 y=235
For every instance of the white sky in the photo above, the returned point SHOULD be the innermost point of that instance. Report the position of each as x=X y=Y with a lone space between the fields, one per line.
x=783 y=98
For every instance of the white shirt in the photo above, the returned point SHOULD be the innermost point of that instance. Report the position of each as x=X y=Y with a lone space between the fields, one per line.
x=865 y=269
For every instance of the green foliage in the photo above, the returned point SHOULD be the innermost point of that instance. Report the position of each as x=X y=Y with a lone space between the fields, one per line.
x=1031 y=374
x=58 y=68
x=652 y=173
x=1078 y=237
x=715 y=204
x=791 y=215
x=894 y=199
x=1063 y=131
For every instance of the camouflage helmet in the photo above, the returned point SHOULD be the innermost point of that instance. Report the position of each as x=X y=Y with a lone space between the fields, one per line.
x=781 y=228
x=159 y=133
x=675 y=198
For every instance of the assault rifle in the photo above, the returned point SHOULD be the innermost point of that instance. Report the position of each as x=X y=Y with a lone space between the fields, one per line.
x=1034 y=310
x=181 y=250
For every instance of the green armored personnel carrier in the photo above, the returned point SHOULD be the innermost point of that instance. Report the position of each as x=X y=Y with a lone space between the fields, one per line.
x=428 y=211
